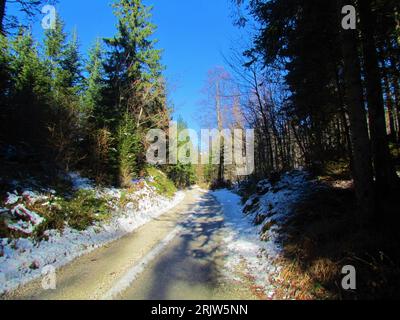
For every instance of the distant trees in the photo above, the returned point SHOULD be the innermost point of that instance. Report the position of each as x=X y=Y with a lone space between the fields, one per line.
x=182 y=174
x=322 y=72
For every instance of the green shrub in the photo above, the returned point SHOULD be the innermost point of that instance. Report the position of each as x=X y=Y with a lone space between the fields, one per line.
x=183 y=175
x=163 y=185
x=84 y=209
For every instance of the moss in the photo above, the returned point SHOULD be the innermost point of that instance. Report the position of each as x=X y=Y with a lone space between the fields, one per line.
x=163 y=185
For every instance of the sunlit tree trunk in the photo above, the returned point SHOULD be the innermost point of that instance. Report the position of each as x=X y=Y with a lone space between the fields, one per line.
x=390 y=108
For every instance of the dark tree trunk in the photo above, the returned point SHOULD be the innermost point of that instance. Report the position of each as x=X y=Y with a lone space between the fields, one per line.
x=396 y=93
x=2 y=15
x=397 y=101
x=386 y=176
x=362 y=168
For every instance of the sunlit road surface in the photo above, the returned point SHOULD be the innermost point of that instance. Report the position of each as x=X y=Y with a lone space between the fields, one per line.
x=177 y=256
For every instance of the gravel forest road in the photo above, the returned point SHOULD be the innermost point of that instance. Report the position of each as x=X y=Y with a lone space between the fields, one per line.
x=176 y=256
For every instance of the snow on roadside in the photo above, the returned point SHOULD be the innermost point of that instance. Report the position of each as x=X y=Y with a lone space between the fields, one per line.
x=244 y=238
x=23 y=260
x=79 y=182
x=242 y=243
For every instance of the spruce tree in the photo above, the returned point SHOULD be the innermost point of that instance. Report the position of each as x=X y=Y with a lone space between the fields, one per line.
x=133 y=62
x=94 y=83
x=30 y=92
x=67 y=128
x=134 y=97
x=71 y=65
x=5 y=86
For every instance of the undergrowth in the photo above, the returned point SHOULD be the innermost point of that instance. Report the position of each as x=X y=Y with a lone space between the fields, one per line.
x=323 y=235
x=161 y=183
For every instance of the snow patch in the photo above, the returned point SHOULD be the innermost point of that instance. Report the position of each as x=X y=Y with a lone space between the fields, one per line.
x=22 y=260
x=12 y=198
x=80 y=183
x=243 y=241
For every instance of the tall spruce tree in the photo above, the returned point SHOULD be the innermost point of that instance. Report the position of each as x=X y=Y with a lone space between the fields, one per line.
x=134 y=87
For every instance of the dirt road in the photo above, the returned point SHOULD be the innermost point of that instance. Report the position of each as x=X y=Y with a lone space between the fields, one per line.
x=177 y=256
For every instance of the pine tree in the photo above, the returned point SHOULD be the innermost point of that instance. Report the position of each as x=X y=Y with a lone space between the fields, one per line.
x=94 y=83
x=133 y=65
x=128 y=149
x=54 y=43
x=67 y=128
x=30 y=92
x=5 y=86
x=71 y=77
x=134 y=98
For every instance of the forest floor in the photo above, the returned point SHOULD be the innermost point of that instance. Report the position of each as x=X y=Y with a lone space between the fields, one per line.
x=318 y=233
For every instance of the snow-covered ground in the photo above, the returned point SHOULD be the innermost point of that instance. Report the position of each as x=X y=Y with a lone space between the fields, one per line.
x=252 y=244
x=23 y=260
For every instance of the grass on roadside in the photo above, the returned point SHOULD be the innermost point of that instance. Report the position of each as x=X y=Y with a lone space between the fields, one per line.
x=79 y=211
x=163 y=185
x=323 y=237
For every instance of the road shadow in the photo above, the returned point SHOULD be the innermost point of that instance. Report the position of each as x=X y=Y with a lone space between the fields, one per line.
x=193 y=260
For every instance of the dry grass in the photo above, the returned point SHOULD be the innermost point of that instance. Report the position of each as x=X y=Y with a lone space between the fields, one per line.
x=323 y=237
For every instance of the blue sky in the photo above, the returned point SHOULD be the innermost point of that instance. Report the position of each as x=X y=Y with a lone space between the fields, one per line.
x=193 y=33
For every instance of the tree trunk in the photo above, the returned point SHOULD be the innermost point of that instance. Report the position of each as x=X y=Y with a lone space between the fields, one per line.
x=384 y=169
x=362 y=168
x=396 y=93
x=2 y=15
x=397 y=19
x=390 y=108
x=389 y=101
x=220 y=128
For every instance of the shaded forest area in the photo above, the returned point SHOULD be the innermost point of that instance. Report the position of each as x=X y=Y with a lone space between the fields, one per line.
x=328 y=99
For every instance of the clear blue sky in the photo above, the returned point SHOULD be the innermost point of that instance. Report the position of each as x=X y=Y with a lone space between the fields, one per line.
x=193 y=34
